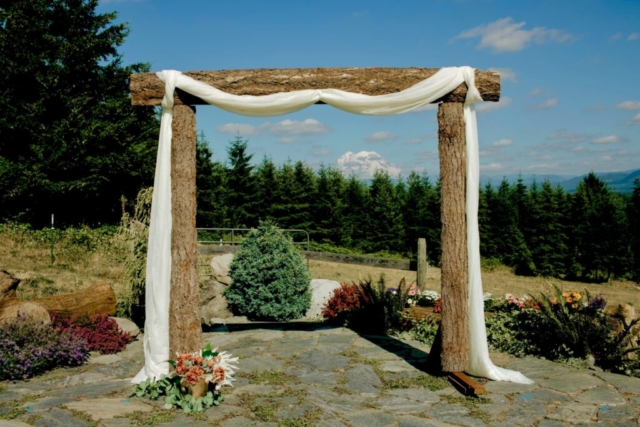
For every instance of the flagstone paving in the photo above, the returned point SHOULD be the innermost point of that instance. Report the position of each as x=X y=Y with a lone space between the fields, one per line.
x=299 y=375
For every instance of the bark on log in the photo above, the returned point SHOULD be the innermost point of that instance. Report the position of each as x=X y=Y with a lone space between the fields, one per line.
x=148 y=89
x=8 y=285
x=454 y=273
x=185 y=330
x=96 y=299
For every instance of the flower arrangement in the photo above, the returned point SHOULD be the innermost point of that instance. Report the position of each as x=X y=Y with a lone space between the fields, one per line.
x=195 y=383
x=206 y=365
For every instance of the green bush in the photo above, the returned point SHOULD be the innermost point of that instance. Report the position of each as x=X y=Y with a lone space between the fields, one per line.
x=270 y=280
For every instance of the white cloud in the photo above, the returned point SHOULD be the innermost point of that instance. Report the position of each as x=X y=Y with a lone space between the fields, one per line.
x=239 y=129
x=412 y=141
x=596 y=107
x=611 y=139
x=286 y=140
x=294 y=127
x=549 y=103
x=577 y=149
x=381 y=136
x=628 y=105
x=502 y=142
x=537 y=91
x=491 y=167
x=569 y=137
x=506 y=74
x=505 y=35
x=616 y=36
x=488 y=107
x=546 y=158
x=633 y=36
x=635 y=120
x=320 y=153
x=606 y=158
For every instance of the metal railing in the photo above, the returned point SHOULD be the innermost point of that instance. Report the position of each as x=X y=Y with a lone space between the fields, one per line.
x=235 y=241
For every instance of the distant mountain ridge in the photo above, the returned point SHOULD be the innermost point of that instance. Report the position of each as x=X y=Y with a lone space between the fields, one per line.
x=621 y=182
x=364 y=164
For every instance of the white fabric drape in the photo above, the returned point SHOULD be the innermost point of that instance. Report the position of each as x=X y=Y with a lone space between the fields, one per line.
x=156 y=337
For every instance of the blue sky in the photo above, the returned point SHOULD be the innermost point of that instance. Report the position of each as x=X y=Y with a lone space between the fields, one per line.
x=570 y=74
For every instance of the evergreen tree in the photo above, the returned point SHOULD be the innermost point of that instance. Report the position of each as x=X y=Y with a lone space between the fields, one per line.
x=386 y=231
x=509 y=242
x=327 y=206
x=241 y=188
x=422 y=216
x=210 y=187
x=265 y=176
x=486 y=204
x=292 y=201
x=355 y=217
x=521 y=199
x=599 y=248
x=633 y=211
x=548 y=240
x=70 y=141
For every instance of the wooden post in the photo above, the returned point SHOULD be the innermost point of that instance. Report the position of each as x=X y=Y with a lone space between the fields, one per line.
x=454 y=273
x=185 y=330
x=422 y=263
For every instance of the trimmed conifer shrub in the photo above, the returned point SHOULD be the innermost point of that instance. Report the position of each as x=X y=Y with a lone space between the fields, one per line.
x=269 y=278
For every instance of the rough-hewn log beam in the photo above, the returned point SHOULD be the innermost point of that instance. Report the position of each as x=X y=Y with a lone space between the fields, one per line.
x=185 y=331
x=148 y=89
x=454 y=273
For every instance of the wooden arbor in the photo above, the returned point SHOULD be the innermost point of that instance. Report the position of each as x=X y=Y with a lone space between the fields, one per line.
x=148 y=90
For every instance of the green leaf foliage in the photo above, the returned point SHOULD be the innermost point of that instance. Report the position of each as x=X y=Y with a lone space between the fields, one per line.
x=70 y=141
x=270 y=280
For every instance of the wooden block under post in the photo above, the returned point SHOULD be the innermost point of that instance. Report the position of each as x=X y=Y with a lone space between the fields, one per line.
x=465 y=385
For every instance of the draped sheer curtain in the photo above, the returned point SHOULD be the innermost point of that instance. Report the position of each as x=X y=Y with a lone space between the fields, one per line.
x=156 y=330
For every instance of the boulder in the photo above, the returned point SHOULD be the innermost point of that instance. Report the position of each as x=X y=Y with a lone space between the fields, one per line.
x=321 y=291
x=209 y=290
x=215 y=309
x=220 y=267
x=35 y=312
x=127 y=326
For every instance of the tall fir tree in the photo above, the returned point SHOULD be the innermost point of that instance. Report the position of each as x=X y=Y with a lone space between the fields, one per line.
x=521 y=199
x=633 y=213
x=70 y=141
x=327 y=206
x=210 y=187
x=265 y=176
x=295 y=190
x=511 y=248
x=386 y=232
x=241 y=186
x=549 y=239
x=355 y=216
x=599 y=247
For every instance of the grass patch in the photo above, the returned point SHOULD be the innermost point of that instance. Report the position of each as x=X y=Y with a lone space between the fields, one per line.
x=83 y=416
x=427 y=381
x=268 y=377
x=471 y=403
x=310 y=419
x=13 y=413
x=150 y=418
x=265 y=411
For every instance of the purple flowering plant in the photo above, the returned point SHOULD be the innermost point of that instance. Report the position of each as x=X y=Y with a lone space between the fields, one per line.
x=29 y=348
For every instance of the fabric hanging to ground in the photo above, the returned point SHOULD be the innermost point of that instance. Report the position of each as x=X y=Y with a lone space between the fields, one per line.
x=156 y=337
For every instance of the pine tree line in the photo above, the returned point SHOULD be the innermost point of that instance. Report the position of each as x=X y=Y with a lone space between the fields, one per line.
x=593 y=234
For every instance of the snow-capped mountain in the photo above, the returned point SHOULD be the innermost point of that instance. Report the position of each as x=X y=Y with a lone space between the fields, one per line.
x=364 y=164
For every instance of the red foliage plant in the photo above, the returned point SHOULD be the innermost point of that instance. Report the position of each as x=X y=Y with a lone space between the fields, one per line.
x=100 y=331
x=344 y=299
x=437 y=305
